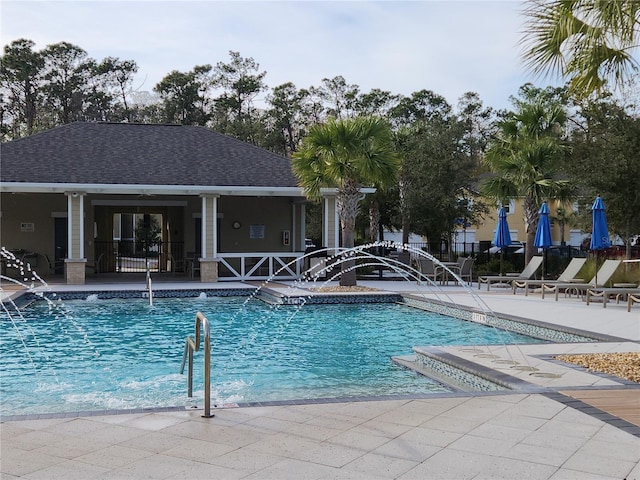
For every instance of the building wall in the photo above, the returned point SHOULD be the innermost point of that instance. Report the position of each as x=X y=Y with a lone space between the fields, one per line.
x=515 y=218
x=486 y=229
x=27 y=223
x=262 y=223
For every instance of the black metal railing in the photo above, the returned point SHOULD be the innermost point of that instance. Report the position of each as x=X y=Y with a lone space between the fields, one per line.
x=446 y=252
x=133 y=256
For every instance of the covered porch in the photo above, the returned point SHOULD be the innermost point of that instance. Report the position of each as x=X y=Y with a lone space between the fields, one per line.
x=213 y=237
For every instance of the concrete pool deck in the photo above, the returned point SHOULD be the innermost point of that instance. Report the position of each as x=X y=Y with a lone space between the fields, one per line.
x=546 y=431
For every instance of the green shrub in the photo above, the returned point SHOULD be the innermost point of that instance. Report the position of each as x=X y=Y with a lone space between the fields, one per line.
x=626 y=273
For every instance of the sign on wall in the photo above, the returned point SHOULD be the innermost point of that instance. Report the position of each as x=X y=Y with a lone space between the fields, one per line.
x=27 y=227
x=256 y=231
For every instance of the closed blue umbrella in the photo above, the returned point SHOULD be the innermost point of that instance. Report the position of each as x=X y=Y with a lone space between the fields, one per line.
x=543 y=232
x=502 y=237
x=599 y=230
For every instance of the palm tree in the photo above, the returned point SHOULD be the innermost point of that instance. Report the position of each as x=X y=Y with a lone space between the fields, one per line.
x=347 y=155
x=526 y=161
x=586 y=41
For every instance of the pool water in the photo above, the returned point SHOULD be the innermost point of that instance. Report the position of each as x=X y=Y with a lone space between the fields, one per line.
x=123 y=354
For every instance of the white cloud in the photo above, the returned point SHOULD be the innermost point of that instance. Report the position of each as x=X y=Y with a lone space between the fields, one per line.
x=449 y=47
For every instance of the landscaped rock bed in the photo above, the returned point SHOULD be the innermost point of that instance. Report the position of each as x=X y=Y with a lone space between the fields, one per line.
x=622 y=365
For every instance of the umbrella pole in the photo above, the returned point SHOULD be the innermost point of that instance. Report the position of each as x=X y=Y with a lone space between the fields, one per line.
x=544 y=260
x=501 y=260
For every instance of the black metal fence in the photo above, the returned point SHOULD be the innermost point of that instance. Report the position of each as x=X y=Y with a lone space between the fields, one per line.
x=445 y=252
x=132 y=256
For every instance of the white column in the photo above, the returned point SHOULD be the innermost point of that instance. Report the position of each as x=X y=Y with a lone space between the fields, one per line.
x=69 y=226
x=303 y=226
x=75 y=225
x=214 y=219
x=81 y=223
x=203 y=240
x=336 y=226
x=325 y=223
x=209 y=226
x=293 y=227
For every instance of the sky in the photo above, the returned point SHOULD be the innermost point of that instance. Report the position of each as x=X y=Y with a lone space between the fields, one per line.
x=449 y=47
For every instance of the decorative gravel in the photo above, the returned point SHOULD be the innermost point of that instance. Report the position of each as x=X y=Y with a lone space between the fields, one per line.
x=622 y=365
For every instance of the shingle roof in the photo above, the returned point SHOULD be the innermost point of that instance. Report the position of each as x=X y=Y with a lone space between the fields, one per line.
x=139 y=154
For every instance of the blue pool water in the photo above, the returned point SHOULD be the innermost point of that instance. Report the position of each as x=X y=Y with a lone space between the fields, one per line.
x=122 y=354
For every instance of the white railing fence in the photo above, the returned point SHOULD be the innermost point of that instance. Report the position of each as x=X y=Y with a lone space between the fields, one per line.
x=260 y=266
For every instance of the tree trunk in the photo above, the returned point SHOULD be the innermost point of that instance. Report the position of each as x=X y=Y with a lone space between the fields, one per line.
x=530 y=224
x=404 y=210
x=347 y=203
x=374 y=221
x=348 y=276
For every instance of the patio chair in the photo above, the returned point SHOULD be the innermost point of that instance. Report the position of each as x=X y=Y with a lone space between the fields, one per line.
x=603 y=275
x=567 y=276
x=56 y=266
x=617 y=292
x=428 y=269
x=463 y=269
x=526 y=274
x=192 y=264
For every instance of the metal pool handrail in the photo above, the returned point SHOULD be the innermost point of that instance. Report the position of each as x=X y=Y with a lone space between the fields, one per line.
x=191 y=346
x=149 y=285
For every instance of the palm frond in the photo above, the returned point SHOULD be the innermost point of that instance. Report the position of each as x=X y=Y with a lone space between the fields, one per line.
x=587 y=41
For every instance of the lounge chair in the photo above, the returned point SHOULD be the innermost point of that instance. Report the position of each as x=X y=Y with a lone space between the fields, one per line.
x=605 y=272
x=567 y=276
x=619 y=293
x=526 y=274
x=631 y=299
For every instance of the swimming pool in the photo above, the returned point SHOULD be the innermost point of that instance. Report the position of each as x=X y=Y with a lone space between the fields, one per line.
x=121 y=354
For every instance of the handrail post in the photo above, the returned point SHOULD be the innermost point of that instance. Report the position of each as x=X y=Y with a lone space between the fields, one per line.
x=190 y=374
x=194 y=345
x=149 y=283
x=207 y=375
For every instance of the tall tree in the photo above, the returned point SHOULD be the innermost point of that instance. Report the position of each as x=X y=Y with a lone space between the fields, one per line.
x=376 y=102
x=67 y=70
x=185 y=96
x=586 y=41
x=608 y=146
x=409 y=116
x=347 y=155
x=339 y=97
x=526 y=159
x=479 y=125
x=286 y=116
x=20 y=83
x=441 y=172
x=118 y=77
x=422 y=105
x=241 y=82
